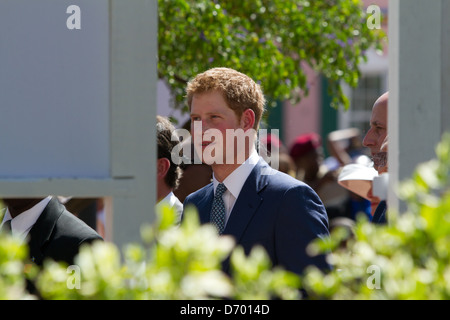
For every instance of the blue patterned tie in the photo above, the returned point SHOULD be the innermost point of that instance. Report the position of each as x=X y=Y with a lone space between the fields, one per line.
x=218 y=208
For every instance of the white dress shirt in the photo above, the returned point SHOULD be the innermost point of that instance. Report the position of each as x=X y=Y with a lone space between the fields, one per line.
x=22 y=224
x=235 y=181
x=172 y=201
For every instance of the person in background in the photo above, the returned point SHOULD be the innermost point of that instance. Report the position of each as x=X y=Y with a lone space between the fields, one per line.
x=49 y=229
x=376 y=139
x=306 y=151
x=358 y=179
x=270 y=147
x=345 y=145
x=286 y=164
x=356 y=170
x=167 y=172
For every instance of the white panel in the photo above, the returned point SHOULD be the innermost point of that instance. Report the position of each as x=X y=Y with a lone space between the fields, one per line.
x=54 y=90
x=416 y=76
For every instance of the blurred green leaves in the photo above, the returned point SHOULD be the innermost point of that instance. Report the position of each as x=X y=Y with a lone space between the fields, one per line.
x=269 y=40
x=176 y=262
x=407 y=259
x=12 y=268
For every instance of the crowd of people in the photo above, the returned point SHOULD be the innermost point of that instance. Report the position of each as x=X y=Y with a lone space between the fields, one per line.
x=281 y=203
x=305 y=195
x=343 y=180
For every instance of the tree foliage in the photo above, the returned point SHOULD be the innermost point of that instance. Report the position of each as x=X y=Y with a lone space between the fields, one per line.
x=269 y=40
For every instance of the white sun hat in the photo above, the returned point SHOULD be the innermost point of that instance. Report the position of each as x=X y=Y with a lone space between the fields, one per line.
x=357 y=178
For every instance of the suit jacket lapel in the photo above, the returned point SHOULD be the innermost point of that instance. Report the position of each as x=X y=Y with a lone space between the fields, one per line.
x=41 y=231
x=205 y=204
x=247 y=202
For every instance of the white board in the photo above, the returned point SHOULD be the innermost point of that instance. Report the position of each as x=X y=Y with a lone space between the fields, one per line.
x=54 y=89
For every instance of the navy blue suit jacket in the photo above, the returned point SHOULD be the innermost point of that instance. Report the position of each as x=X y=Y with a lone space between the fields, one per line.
x=274 y=210
x=379 y=216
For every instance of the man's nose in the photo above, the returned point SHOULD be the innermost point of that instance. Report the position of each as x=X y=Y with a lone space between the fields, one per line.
x=368 y=140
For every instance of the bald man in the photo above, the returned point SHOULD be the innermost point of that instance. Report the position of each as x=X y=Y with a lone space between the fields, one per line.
x=376 y=140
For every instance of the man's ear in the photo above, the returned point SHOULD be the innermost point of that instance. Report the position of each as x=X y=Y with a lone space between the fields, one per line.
x=248 y=119
x=162 y=167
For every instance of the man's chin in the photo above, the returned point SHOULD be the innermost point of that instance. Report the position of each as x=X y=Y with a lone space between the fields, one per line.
x=379 y=160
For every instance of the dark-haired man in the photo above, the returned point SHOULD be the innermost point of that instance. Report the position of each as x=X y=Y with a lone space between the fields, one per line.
x=167 y=172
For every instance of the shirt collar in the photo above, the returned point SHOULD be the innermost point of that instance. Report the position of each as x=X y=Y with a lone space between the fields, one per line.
x=169 y=199
x=21 y=224
x=235 y=181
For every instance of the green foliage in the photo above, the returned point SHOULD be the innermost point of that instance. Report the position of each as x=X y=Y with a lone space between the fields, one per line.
x=172 y=262
x=255 y=279
x=406 y=259
x=269 y=40
x=12 y=268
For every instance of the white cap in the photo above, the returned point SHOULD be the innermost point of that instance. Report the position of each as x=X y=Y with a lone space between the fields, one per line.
x=357 y=178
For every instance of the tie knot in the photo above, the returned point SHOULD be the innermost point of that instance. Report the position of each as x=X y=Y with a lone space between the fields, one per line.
x=220 y=189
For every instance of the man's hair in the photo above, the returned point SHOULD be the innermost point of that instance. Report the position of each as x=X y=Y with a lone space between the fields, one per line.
x=164 y=130
x=239 y=91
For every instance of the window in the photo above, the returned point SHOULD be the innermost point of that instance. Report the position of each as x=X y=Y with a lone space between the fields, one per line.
x=362 y=98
